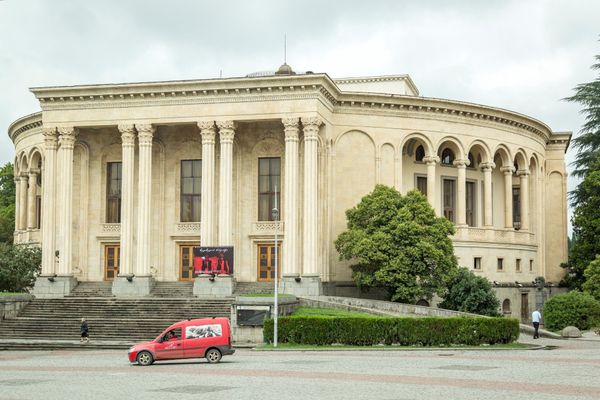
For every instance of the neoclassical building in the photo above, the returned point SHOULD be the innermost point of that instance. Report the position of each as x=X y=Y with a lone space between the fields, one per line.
x=120 y=181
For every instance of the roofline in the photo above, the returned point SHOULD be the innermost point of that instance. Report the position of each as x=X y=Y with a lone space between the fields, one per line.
x=381 y=78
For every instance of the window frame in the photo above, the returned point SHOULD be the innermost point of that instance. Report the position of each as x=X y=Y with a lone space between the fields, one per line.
x=108 y=216
x=192 y=211
x=273 y=192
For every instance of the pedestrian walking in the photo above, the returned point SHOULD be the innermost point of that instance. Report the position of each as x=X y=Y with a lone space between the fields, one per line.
x=535 y=318
x=84 y=329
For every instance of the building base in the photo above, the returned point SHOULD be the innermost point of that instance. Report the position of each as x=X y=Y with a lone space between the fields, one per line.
x=132 y=286
x=306 y=285
x=214 y=286
x=52 y=286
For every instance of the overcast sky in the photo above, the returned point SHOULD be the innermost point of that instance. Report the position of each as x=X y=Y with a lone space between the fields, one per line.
x=519 y=55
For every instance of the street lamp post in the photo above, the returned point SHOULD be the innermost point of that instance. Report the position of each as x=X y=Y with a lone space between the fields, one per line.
x=275 y=215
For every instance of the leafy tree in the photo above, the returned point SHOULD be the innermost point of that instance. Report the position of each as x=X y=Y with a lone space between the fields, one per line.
x=470 y=293
x=397 y=242
x=7 y=203
x=571 y=309
x=19 y=266
x=592 y=278
x=586 y=227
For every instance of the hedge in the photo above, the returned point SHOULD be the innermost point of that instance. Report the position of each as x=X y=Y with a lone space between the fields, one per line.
x=428 y=331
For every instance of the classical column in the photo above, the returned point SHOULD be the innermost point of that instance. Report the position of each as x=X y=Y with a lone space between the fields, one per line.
x=49 y=201
x=431 y=161
x=311 y=134
x=31 y=203
x=207 y=130
x=145 y=134
x=524 y=175
x=17 y=202
x=23 y=202
x=508 y=212
x=487 y=193
x=65 y=154
x=127 y=186
x=290 y=197
x=461 y=190
x=226 y=134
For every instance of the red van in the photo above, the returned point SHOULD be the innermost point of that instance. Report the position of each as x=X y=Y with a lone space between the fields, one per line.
x=194 y=338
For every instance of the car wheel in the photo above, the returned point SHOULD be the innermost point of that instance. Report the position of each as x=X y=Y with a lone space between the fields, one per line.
x=145 y=358
x=213 y=356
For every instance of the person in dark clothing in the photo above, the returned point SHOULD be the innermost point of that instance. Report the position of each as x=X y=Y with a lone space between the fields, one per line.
x=84 y=329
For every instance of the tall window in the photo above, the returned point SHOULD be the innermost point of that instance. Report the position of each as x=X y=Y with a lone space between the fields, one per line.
x=419 y=154
x=269 y=187
x=422 y=184
x=113 y=192
x=516 y=205
x=448 y=199
x=191 y=182
x=477 y=263
x=470 y=203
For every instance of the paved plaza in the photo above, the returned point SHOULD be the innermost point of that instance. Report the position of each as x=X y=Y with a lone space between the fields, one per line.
x=571 y=371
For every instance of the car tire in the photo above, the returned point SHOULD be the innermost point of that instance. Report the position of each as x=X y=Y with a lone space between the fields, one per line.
x=213 y=356
x=144 y=358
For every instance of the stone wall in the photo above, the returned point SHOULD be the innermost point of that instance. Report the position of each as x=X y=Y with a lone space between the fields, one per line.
x=10 y=306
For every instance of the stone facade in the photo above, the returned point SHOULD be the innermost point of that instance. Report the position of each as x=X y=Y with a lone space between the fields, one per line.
x=499 y=175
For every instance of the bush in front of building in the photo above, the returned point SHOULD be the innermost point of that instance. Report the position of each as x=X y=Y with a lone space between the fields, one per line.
x=405 y=331
x=19 y=266
x=571 y=309
x=592 y=278
x=470 y=293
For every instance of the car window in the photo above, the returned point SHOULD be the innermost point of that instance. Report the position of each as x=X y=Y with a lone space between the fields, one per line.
x=173 y=334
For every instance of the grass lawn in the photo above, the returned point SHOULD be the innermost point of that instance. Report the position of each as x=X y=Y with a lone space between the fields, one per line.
x=305 y=347
x=11 y=293
x=328 y=312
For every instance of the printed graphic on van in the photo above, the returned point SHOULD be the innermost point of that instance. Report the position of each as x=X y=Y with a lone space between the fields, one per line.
x=203 y=331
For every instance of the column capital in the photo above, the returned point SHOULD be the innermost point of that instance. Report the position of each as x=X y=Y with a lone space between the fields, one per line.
x=311 y=126
x=487 y=166
x=33 y=173
x=507 y=170
x=127 y=134
x=523 y=173
x=208 y=131
x=226 y=125
x=461 y=163
x=24 y=177
x=226 y=131
x=67 y=136
x=145 y=133
x=291 y=128
x=50 y=138
x=431 y=160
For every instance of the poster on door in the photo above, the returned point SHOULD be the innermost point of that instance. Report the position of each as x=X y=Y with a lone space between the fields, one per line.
x=213 y=260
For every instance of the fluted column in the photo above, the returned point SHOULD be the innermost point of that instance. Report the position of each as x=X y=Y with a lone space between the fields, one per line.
x=290 y=197
x=17 y=180
x=31 y=203
x=524 y=175
x=226 y=134
x=49 y=201
x=207 y=130
x=67 y=136
x=508 y=214
x=311 y=134
x=431 y=162
x=487 y=193
x=145 y=135
x=23 y=202
x=127 y=187
x=461 y=211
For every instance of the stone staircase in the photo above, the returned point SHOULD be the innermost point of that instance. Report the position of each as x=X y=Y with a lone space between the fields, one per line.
x=173 y=289
x=110 y=319
x=92 y=289
x=253 y=287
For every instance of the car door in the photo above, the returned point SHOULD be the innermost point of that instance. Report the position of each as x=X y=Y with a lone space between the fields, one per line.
x=170 y=346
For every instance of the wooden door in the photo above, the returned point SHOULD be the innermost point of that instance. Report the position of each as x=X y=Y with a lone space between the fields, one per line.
x=112 y=260
x=524 y=307
x=266 y=262
x=186 y=262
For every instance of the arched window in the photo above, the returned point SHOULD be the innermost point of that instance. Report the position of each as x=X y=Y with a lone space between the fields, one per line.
x=506 y=306
x=423 y=303
x=447 y=157
x=472 y=161
x=419 y=154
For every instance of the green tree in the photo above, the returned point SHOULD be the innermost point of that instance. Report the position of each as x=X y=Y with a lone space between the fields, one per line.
x=19 y=266
x=470 y=293
x=571 y=309
x=397 y=242
x=7 y=203
x=592 y=278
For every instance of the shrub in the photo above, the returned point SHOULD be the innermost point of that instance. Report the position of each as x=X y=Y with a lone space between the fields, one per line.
x=571 y=309
x=470 y=293
x=406 y=331
x=19 y=265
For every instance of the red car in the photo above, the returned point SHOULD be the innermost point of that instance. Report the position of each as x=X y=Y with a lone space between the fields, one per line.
x=194 y=338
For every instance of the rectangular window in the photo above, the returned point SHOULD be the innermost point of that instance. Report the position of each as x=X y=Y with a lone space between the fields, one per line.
x=113 y=192
x=518 y=265
x=269 y=187
x=516 y=197
x=477 y=263
x=470 y=203
x=190 y=190
x=530 y=265
x=449 y=199
x=38 y=212
x=500 y=264
x=422 y=184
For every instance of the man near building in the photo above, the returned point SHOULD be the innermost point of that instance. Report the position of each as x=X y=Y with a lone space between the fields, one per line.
x=535 y=318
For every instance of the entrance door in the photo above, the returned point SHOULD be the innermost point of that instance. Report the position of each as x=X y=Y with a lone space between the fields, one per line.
x=524 y=307
x=186 y=262
x=112 y=260
x=266 y=262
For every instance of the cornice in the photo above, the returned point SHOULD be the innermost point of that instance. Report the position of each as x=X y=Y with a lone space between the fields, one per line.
x=24 y=124
x=384 y=78
x=560 y=140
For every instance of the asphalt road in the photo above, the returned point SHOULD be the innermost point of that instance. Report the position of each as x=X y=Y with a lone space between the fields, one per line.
x=571 y=371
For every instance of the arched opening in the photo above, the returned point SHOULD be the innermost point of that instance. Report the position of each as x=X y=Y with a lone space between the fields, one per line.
x=423 y=303
x=419 y=153
x=414 y=172
x=447 y=157
x=506 y=306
